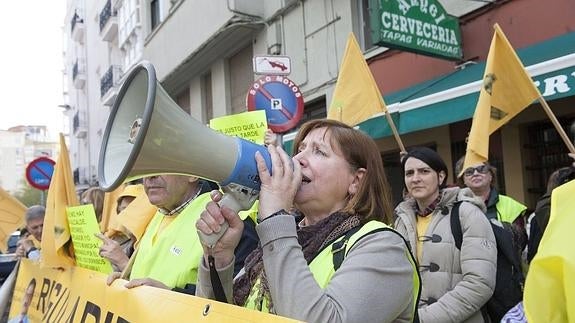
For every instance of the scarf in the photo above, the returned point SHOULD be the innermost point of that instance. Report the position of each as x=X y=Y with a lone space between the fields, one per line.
x=311 y=238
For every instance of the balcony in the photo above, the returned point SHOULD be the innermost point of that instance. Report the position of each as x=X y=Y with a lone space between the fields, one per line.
x=79 y=126
x=110 y=84
x=77 y=28
x=108 y=22
x=116 y=4
x=79 y=74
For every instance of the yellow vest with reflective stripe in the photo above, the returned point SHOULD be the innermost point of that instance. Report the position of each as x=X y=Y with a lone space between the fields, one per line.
x=508 y=209
x=322 y=267
x=175 y=256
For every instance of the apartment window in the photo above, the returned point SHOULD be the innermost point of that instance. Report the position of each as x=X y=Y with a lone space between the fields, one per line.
x=155 y=13
x=363 y=9
x=241 y=78
x=208 y=105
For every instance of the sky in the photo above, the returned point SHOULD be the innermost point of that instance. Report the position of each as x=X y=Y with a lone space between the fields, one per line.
x=31 y=61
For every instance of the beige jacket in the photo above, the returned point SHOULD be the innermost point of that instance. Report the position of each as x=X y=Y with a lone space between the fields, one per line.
x=455 y=284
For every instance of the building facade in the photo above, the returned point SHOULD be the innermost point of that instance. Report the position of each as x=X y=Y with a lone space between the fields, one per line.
x=18 y=147
x=202 y=52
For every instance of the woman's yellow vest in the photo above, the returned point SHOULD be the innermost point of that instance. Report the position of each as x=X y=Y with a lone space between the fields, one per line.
x=322 y=266
x=175 y=255
x=508 y=209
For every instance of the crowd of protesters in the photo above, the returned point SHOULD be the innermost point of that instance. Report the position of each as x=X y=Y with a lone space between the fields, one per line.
x=324 y=243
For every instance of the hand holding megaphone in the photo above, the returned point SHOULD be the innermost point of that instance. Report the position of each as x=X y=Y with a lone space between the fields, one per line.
x=278 y=187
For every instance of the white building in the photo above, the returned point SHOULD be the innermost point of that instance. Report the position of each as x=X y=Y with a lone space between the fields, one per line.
x=202 y=51
x=93 y=67
x=18 y=147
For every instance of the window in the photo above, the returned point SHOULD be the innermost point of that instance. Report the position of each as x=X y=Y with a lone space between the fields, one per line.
x=363 y=23
x=316 y=109
x=155 y=13
x=545 y=152
x=208 y=105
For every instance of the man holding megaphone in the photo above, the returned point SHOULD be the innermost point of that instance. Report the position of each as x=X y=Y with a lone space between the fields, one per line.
x=169 y=251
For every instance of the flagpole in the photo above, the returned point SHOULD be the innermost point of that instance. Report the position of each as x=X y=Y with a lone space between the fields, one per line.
x=556 y=124
x=394 y=130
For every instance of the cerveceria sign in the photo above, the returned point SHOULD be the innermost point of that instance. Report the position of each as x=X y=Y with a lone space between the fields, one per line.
x=420 y=26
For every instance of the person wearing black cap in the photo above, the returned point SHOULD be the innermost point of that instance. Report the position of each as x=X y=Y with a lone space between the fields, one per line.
x=456 y=283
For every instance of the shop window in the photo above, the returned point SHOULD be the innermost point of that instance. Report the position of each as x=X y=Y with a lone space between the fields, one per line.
x=458 y=133
x=316 y=109
x=545 y=153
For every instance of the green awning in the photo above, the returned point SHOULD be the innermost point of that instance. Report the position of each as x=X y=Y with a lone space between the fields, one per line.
x=453 y=97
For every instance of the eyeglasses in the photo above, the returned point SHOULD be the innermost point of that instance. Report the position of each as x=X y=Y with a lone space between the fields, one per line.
x=481 y=169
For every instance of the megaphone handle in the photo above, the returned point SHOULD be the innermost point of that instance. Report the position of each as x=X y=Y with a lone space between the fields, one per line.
x=228 y=200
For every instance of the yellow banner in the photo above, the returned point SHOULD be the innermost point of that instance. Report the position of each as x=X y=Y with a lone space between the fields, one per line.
x=249 y=125
x=79 y=295
x=11 y=217
x=83 y=229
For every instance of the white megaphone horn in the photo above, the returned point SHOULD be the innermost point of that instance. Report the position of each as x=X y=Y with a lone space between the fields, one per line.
x=149 y=134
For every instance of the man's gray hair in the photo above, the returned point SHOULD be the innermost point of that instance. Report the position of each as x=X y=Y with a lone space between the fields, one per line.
x=35 y=212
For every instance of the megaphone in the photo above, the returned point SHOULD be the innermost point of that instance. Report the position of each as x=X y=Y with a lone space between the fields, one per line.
x=148 y=134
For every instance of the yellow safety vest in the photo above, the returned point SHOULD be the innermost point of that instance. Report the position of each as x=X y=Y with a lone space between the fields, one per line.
x=175 y=256
x=508 y=209
x=322 y=266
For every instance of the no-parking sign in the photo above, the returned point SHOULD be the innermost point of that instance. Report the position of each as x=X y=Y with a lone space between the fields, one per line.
x=39 y=172
x=280 y=97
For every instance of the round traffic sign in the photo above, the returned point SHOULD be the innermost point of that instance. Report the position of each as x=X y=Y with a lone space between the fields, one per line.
x=280 y=97
x=39 y=172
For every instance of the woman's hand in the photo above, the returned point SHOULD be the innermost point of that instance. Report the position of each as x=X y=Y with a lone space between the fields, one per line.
x=278 y=189
x=210 y=222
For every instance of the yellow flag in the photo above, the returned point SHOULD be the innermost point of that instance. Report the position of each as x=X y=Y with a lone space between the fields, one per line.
x=61 y=194
x=507 y=89
x=109 y=207
x=356 y=96
x=550 y=285
x=11 y=217
x=136 y=216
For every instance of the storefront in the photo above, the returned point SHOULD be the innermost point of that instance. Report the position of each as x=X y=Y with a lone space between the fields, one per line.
x=438 y=113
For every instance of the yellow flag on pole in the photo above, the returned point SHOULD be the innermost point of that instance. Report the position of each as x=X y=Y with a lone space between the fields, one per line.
x=109 y=207
x=507 y=89
x=356 y=96
x=61 y=194
x=11 y=217
x=550 y=285
x=136 y=216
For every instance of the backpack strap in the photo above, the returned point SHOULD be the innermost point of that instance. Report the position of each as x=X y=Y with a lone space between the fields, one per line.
x=456 y=225
x=338 y=249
